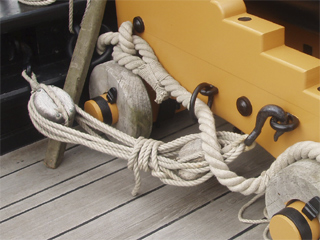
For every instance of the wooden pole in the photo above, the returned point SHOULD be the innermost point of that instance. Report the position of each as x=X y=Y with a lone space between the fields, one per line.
x=78 y=70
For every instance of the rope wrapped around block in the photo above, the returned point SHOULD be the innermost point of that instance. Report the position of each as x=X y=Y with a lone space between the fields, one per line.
x=217 y=148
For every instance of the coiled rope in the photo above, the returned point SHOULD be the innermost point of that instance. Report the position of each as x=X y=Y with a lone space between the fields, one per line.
x=218 y=148
x=148 y=67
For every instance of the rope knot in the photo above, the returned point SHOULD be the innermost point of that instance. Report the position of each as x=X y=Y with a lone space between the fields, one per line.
x=232 y=145
x=143 y=157
x=136 y=55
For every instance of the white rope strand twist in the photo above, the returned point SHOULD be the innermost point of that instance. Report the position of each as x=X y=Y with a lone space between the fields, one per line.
x=146 y=154
x=210 y=143
x=160 y=158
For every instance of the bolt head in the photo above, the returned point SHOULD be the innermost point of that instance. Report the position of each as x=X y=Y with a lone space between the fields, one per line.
x=244 y=106
x=138 y=24
x=112 y=95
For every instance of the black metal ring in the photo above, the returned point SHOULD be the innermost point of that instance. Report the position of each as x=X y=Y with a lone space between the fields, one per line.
x=205 y=89
x=291 y=124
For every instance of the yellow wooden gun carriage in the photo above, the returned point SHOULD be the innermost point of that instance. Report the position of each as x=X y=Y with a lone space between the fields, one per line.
x=244 y=56
x=244 y=70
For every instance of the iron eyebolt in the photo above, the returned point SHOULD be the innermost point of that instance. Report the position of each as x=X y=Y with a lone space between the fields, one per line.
x=205 y=89
x=291 y=123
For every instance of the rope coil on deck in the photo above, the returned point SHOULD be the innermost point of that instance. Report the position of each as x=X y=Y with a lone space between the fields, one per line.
x=218 y=148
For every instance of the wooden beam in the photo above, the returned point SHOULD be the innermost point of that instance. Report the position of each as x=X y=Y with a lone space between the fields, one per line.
x=78 y=70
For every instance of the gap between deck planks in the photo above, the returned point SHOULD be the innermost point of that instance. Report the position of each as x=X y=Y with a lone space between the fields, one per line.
x=88 y=196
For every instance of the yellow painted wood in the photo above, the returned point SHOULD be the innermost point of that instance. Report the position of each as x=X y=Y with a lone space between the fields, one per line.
x=203 y=41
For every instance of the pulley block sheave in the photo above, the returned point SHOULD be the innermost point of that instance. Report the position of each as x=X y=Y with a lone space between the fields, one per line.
x=131 y=106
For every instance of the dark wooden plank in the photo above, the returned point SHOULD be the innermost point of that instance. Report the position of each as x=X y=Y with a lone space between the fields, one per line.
x=26 y=182
x=159 y=213
x=89 y=194
x=216 y=220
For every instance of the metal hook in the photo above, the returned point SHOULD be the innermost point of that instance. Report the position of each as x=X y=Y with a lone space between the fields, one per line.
x=273 y=111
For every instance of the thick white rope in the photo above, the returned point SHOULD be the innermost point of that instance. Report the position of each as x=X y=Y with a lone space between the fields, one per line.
x=218 y=149
x=145 y=154
x=125 y=53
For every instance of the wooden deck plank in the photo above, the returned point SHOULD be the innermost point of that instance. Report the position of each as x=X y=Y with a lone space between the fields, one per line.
x=167 y=205
x=40 y=198
x=216 y=220
x=71 y=174
x=83 y=203
x=253 y=233
x=92 y=199
x=37 y=177
x=19 y=179
x=77 y=200
x=148 y=213
x=22 y=157
x=72 y=178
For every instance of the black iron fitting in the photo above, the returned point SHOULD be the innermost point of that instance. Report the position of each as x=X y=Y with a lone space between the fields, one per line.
x=205 y=89
x=112 y=95
x=280 y=121
x=290 y=124
x=312 y=208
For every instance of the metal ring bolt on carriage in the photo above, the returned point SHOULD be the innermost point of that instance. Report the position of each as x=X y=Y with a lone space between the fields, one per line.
x=254 y=74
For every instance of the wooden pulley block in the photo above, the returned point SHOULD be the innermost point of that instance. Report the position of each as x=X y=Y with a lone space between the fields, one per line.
x=133 y=107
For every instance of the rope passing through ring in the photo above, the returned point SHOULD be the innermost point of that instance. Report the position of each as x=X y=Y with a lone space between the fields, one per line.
x=217 y=148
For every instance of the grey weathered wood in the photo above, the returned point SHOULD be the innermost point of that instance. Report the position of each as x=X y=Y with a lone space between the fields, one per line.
x=80 y=167
x=300 y=180
x=133 y=103
x=20 y=184
x=92 y=200
x=217 y=220
x=78 y=70
x=22 y=157
x=170 y=203
x=254 y=233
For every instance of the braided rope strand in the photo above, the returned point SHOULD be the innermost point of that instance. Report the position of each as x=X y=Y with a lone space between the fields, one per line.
x=217 y=148
x=210 y=143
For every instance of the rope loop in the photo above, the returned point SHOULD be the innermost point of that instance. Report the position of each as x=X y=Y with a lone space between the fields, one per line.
x=144 y=156
x=31 y=80
x=216 y=149
x=136 y=55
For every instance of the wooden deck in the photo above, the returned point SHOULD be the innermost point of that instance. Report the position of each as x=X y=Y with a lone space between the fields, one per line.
x=89 y=196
